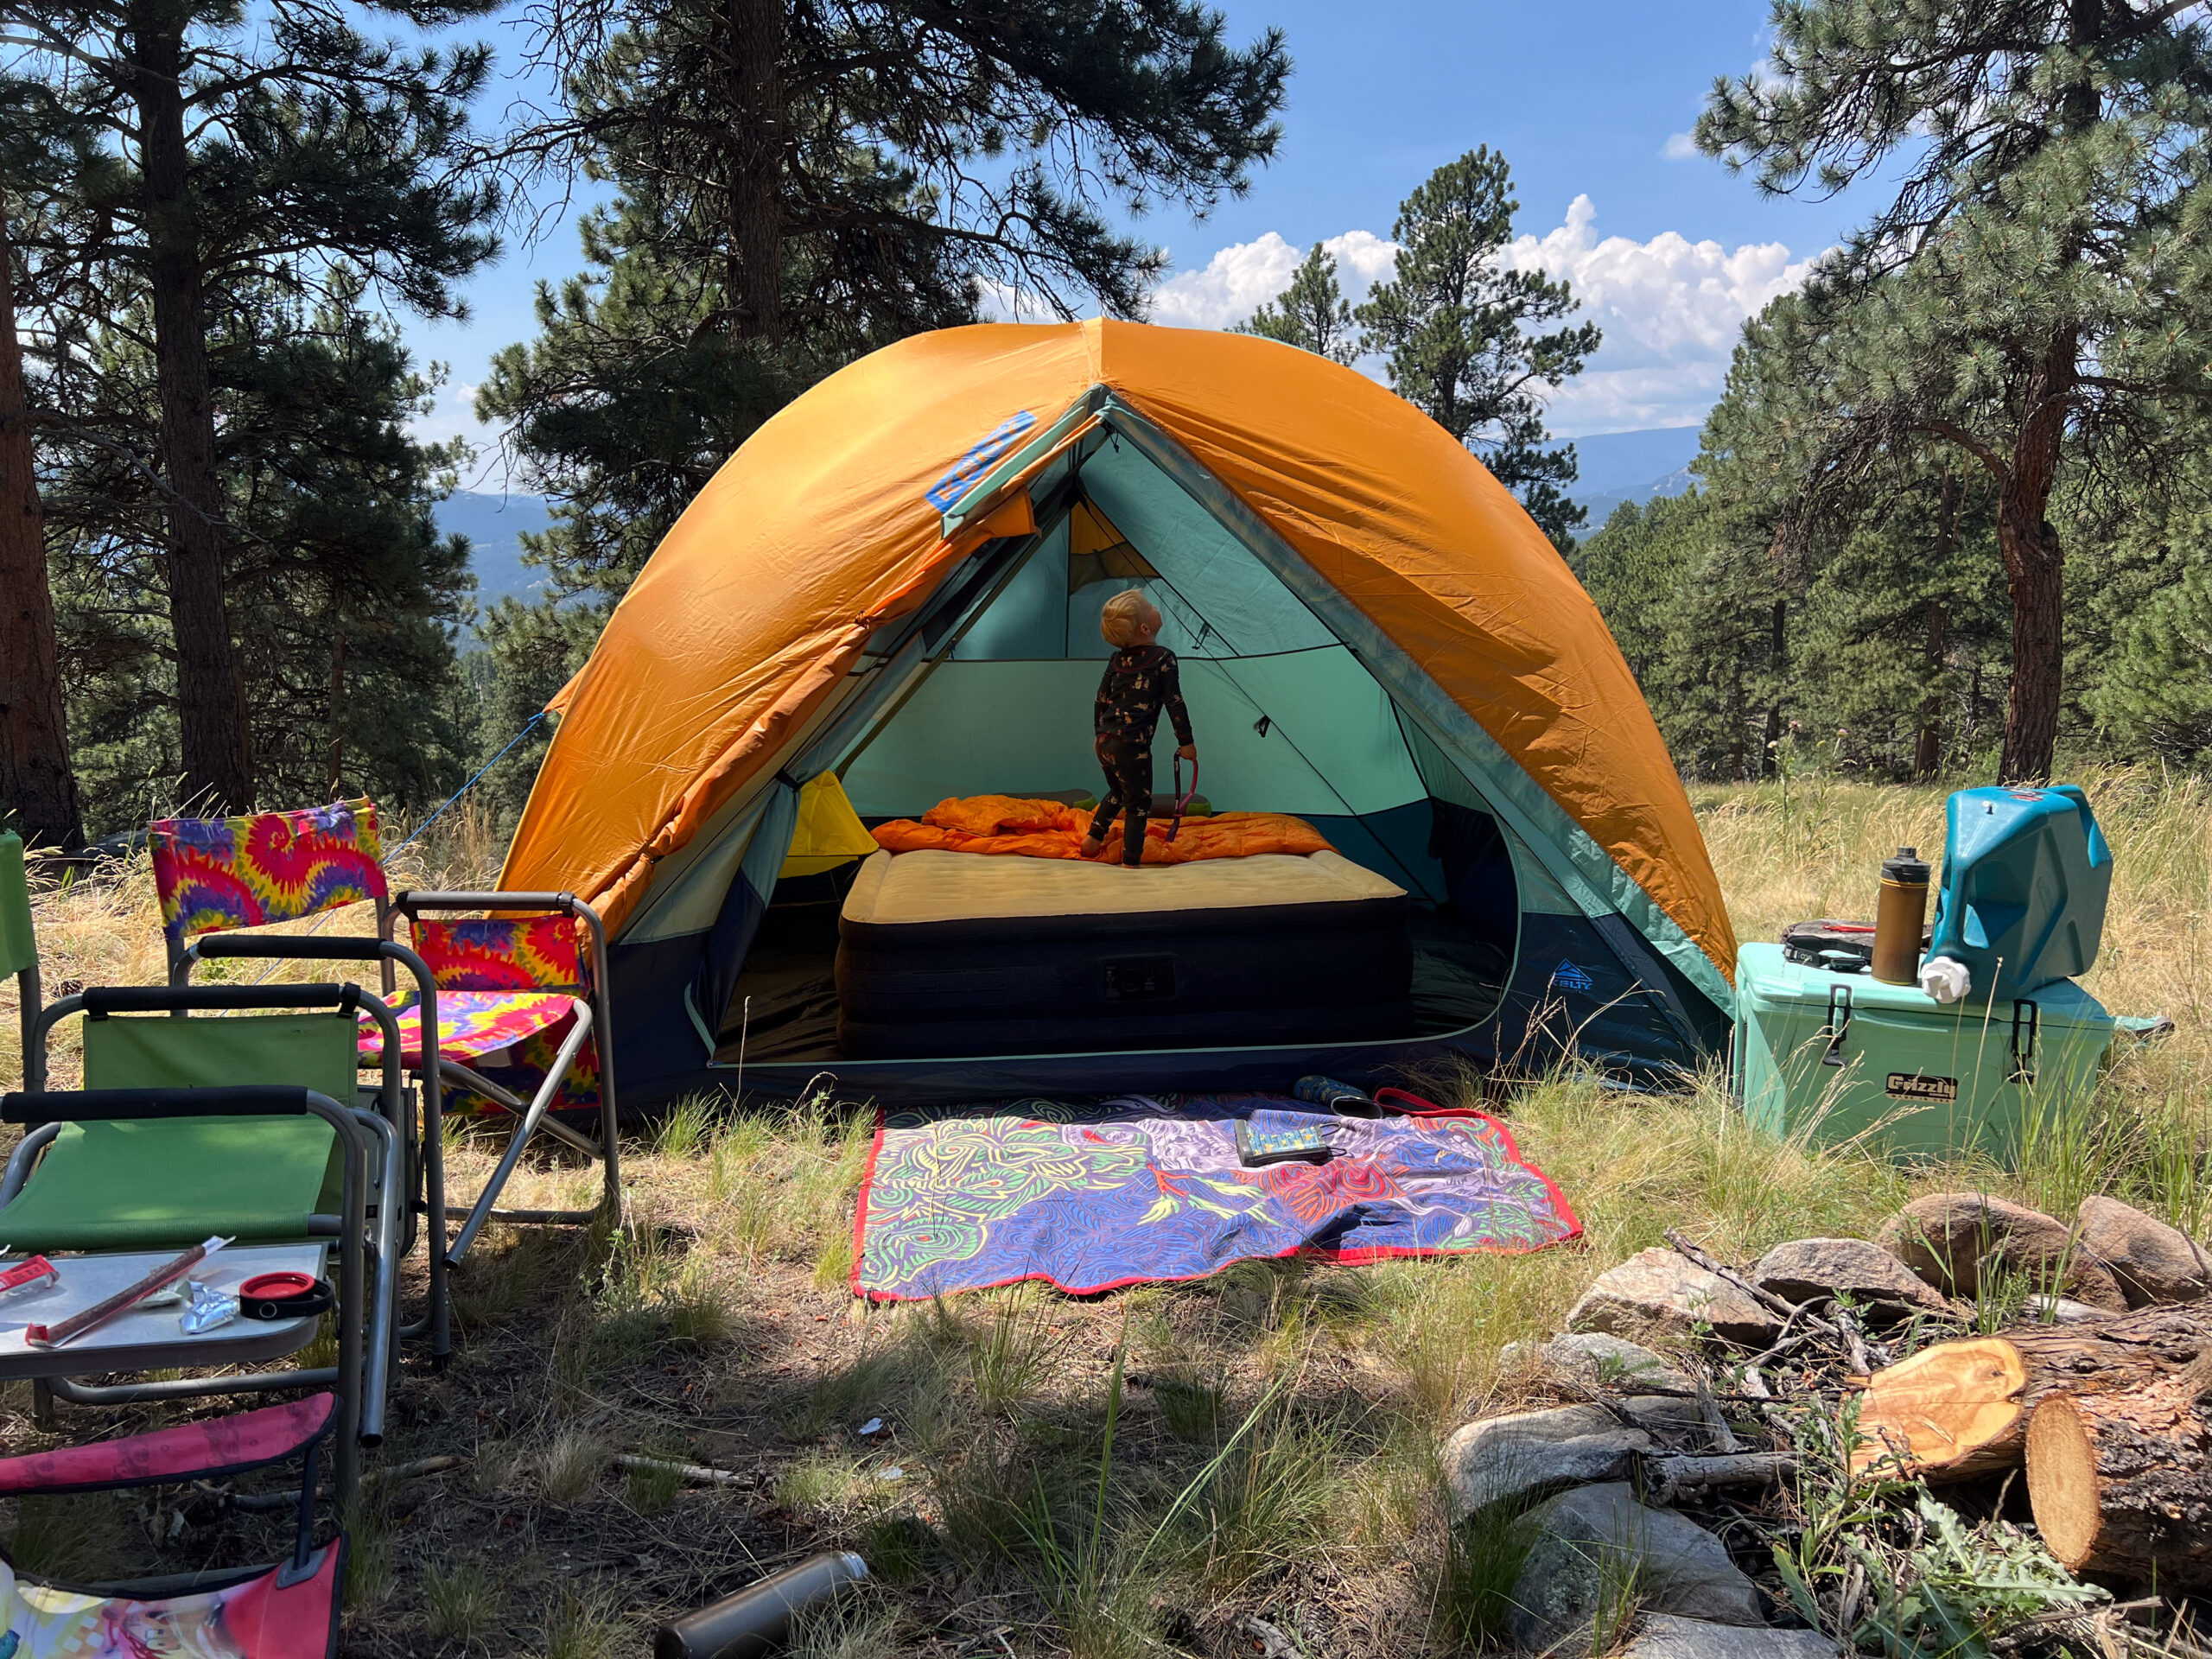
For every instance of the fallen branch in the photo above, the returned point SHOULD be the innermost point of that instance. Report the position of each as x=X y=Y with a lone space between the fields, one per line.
x=697 y=1472
x=1708 y=1410
x=410 y=1470
x=259 y=1502
x=1671 y=1475
x=1766 y=1298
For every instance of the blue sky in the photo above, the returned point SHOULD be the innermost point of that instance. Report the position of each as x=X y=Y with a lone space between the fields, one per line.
x=1589 y=100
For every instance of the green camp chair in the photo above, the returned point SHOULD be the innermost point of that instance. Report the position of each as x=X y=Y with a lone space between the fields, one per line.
x=18 y=946
x=101 y=1150
x=168 y=1180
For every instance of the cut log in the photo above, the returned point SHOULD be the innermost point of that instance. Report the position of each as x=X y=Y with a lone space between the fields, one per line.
x=2121 y=1483
x=1959 y=1410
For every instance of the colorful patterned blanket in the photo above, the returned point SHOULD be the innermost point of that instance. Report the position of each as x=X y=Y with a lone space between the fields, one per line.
x=1138 y=1188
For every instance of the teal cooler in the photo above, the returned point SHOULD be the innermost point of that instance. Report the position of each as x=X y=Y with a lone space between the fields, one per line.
x=1830 y=1056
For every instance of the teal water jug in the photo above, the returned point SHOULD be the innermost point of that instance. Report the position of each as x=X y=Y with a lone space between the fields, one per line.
x=2026 y=874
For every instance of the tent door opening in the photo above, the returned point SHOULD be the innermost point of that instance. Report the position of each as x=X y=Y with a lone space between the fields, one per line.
x=1288 y=717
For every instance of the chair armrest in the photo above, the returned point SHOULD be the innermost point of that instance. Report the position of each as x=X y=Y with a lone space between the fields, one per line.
x=354 y=948
x=121 y=1105
x=103 y=1000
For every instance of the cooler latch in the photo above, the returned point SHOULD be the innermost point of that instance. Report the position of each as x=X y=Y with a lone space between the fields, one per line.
x=1839 y=1023
x=2027 y=1022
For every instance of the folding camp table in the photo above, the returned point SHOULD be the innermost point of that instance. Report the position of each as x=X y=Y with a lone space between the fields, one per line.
x=144 y=1338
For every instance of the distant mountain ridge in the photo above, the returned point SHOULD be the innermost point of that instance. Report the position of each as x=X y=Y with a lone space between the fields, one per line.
x=495 y=526
x=1618 y=466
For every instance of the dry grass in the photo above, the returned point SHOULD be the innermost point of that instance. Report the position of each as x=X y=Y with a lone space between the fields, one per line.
x=1115 y=1475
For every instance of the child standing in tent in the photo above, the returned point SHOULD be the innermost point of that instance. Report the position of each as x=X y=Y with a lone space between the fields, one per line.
x=1141 y=679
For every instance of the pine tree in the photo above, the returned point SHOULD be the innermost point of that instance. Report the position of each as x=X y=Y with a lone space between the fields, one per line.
x=279 y=147
x=2031 y=295
x=797 y=185
x=343 y=599
x=1767 y=633
x=38 y=786
x=883 y=142
x=1312 y=314
x=1457 y=327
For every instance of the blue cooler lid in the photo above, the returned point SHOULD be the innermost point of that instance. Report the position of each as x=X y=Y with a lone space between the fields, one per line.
x=2026 y=874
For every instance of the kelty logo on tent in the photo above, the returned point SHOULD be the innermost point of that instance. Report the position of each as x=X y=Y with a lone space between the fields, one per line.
x=972 y=466
x=1569 y=977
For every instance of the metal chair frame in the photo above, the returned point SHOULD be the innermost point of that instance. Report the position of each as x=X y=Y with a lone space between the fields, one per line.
x=593 y=1015
x=425 y=1174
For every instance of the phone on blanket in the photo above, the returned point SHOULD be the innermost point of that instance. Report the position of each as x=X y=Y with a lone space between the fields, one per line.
x=1260 y=1142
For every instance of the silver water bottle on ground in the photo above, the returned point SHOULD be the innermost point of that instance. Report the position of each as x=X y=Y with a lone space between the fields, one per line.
x=756 y=1620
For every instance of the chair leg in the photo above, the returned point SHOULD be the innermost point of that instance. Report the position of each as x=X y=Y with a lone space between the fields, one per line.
x=379 y=1314
x=481 y=1210
x=433 y=1207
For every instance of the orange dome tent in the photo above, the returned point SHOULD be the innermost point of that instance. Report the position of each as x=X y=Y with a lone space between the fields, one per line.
x=897 y=579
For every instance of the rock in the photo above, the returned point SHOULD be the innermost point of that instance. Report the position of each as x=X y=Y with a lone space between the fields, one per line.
x=1665 y=1636
x=1586 y=1542
x=2152 y=1261
x=1487 y=1462
x=1593 y=1356
x=1949 y=1238
x=1806 y=1269
x=1656 y=1295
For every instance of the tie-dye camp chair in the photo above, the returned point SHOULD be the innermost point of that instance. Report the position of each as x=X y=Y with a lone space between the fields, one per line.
x=511 y=1005
x=524 y=993
x=287 y=1609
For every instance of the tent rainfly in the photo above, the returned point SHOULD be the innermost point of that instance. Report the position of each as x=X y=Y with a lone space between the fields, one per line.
x=895 y=584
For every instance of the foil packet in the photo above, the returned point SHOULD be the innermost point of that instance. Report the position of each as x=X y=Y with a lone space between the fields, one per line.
x=211 y=1309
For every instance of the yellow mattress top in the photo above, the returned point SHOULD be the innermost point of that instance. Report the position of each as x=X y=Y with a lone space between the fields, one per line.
x=933 y=886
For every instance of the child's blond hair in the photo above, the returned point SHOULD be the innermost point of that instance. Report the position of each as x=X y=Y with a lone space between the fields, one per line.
x=1121 y=617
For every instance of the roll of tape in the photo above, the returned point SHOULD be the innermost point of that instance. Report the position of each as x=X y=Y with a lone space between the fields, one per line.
x=285 y=1296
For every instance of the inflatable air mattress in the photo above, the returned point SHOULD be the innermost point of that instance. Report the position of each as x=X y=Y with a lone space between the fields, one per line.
x=944 y=953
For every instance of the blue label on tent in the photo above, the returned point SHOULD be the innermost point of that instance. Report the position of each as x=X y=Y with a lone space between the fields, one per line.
x=1567 y=976
x=973 y=465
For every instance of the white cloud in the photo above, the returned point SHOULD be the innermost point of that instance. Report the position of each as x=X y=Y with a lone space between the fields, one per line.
x=1671 y=309
x=1239 y=279
x=1679 y=146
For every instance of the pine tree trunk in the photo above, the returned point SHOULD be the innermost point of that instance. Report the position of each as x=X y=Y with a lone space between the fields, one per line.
x=1769 y=756
x=336 y=757
x=211 y=700
x=2035 y=566
x=35 y=778
x=756 y=225
x=1736 y=772
x=1928 y=748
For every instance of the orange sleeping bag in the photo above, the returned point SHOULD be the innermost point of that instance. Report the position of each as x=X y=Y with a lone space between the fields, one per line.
x=1008 y=823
